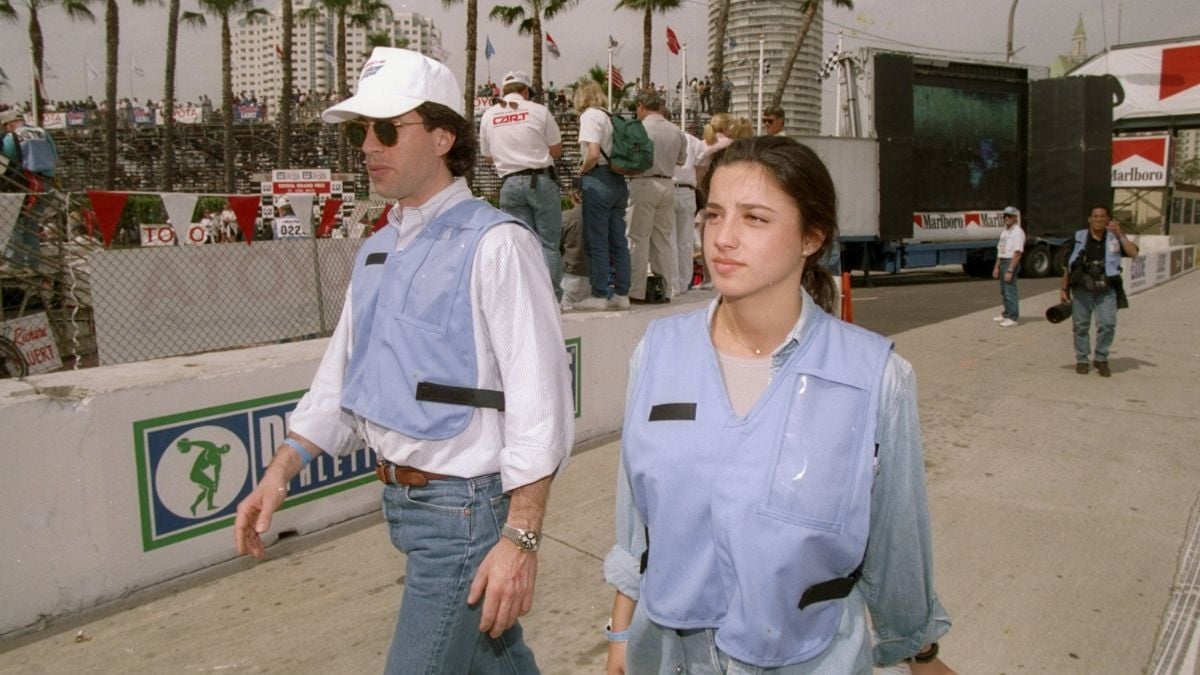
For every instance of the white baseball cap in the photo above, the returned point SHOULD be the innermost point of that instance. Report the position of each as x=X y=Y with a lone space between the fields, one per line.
x=10 y=115
x=518 y=76
x=395 y=81
x=1011 y=211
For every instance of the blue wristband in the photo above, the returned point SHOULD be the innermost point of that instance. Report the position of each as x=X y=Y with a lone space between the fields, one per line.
x=619 y=636
x=305 y=457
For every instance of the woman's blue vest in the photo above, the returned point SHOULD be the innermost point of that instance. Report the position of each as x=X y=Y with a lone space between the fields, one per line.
x=1112 y=251
x=757 y=526
x=413 y=365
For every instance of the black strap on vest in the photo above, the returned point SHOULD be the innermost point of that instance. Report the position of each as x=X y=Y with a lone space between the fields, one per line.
x=832 y=589
x=646 y=553
x=673 y=411
x=377 y=258
x=444 y=393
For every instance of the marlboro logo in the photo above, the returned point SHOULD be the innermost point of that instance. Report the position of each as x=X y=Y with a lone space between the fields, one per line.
x=1140 y=161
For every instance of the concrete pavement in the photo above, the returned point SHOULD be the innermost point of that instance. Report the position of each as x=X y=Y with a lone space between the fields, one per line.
x=1064 y=509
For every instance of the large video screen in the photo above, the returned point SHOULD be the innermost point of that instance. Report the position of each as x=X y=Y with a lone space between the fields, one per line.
x=966 y=149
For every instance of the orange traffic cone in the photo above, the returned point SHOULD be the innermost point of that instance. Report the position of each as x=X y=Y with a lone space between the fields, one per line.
x=847 y=299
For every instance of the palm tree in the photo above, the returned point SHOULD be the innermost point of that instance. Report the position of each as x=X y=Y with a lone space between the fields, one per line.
x=283 y=115
x=168 y=146
x=472 y=42
x=528 y=16
x=809 y=9
x=358 y=13
x=76 y=9
x=720 y=97
x=112 y=42
x=223 y=9
x=648 y=7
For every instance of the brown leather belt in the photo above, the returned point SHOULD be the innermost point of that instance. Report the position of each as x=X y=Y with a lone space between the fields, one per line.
x=391 y=474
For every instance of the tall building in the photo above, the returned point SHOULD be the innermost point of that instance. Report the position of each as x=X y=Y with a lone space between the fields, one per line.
x=258 y=41
x=1064 y=63
x=1187 y=145
x=776 y=23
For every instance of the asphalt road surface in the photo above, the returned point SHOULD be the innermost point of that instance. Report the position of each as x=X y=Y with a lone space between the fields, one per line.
x=900 y=302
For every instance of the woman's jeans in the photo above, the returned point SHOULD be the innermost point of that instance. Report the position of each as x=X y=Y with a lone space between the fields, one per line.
x=445 y=529
x=605 y=196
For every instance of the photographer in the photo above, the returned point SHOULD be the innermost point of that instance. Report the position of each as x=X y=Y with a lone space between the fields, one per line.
x=1092 y=283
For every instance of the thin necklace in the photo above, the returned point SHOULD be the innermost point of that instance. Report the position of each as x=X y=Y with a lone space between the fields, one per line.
x=740 y=341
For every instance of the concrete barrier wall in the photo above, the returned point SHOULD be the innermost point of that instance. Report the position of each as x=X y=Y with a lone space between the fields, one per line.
x=96 y=475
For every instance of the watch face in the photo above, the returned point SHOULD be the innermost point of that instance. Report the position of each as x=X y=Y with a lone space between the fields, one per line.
x=529 y=540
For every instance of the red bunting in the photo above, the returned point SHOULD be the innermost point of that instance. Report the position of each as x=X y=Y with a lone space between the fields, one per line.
x=108 y=207
x=245 y=207
x=328 y=216
x=383 y=218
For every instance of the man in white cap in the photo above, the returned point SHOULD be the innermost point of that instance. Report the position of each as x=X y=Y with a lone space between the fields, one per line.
x=447 y=304
x=522 y=139
x=32 y=158
x=1008 y=265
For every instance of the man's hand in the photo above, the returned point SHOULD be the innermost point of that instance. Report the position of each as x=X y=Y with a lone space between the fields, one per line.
x=1114 y=226
x=504 y=581
x=996 y=272
x=254 y=517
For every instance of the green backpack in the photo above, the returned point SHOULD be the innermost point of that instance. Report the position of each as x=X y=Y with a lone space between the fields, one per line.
x=632 y=149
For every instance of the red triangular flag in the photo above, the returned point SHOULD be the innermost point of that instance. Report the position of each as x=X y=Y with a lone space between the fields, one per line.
x=108 y=207
x=382 y=219
x=328 y=215
x=245 y=207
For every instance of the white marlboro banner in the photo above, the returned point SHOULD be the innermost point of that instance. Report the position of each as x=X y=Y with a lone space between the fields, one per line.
x=31 y=334
x=1157 y=79
x=1140 y=161
x=957 y=226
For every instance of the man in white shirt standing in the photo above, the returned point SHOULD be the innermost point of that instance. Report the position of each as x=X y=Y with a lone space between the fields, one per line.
x=652 y=200
x=522 y=139
x=1008 y=265
x=685 y=213
x=411 y=368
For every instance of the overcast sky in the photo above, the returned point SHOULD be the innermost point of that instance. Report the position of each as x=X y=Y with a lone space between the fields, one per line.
x=971 y=28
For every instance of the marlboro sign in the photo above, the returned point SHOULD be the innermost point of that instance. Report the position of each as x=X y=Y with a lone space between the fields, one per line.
x=1140 y=161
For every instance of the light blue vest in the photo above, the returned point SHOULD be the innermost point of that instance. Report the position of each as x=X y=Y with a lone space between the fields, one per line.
x=1112 y=251
x=744 y=515
x=413 y=367
x=38 y=154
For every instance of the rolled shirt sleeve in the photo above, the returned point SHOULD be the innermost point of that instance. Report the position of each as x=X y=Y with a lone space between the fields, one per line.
x=897 y=579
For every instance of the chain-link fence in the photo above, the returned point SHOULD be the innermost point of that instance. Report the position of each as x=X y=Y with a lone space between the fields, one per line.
x=135 y=301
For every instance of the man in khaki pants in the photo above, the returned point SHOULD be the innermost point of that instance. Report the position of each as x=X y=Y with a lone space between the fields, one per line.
x=652 y=200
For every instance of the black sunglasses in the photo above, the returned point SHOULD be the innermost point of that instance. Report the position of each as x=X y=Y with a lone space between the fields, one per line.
x=385 y=130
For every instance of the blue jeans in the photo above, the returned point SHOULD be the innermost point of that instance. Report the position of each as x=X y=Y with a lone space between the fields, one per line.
x=1084 y=303
x=605 y=196
x=541 y=209
x=1008 y=290
x=445 y=529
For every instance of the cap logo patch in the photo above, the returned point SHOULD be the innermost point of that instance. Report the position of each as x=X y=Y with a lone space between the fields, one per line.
x=370 y=68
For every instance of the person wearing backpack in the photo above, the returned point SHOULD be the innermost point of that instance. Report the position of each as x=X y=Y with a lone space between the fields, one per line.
x=34 y=151
x=605 y=195
x=652 y=200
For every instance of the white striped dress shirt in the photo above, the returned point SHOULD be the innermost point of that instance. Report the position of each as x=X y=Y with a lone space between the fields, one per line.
x=519 y=350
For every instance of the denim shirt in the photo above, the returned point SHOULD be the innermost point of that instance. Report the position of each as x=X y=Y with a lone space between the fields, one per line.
x=905 y=611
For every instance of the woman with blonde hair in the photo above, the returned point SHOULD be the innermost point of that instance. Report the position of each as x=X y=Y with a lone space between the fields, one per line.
x=721 y=130
x=605 y=196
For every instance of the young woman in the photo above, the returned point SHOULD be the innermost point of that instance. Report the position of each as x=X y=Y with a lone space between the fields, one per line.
x=771 y=458
x=605 y=196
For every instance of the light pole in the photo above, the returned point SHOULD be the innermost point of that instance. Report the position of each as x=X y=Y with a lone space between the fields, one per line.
x=1012 y=13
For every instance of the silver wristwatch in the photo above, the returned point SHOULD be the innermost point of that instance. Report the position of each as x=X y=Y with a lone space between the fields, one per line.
x=526 y=540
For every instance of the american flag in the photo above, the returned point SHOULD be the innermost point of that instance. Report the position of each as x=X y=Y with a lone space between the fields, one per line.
x=552 y=46
x=614 y=76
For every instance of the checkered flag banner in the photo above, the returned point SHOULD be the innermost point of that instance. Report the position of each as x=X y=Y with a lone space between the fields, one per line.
x=830 y=62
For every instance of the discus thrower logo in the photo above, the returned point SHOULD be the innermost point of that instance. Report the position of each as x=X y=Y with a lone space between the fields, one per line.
x=194 y=467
